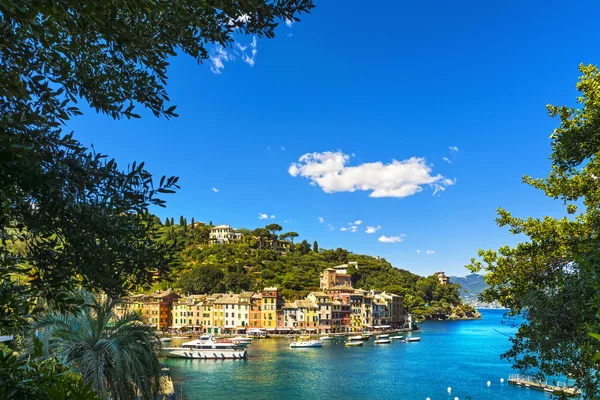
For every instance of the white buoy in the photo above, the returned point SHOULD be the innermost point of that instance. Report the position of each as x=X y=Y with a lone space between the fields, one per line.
x=456 y=398
x=449 y=389
x=428 y=398
x=489 y=383
x=501 y=380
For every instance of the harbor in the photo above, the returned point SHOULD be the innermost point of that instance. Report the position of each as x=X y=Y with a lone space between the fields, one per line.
x=461 y=355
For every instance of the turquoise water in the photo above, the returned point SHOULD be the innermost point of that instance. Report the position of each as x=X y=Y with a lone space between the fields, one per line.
x=461 y=354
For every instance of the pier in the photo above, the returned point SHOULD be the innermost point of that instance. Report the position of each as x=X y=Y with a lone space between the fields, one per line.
x=532 y=383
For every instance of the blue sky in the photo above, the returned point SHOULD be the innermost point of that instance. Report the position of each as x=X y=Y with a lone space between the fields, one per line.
x=360 y=87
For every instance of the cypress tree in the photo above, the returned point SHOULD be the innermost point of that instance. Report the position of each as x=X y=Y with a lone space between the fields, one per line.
x=181 y=222
x=172 y=221
x=193 y=223
x=316 y=247
x=167 y=221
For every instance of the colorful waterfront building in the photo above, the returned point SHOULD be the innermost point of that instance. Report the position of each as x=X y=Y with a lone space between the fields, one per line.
x=324 y=303
x=130 y=304
x=340 y=316
x=188 y=311
x=395 y=307
x=156 y=308
x=210 y=314
x=290 y=316
x=308 y=315
x=255 y=316
x=356 y=305
x=271 y=303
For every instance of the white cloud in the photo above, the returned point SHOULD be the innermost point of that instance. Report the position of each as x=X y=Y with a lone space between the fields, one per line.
x=372 y=229
x=287 y=221
x=453 y=148
x=272 y=217
x=437 y=188
x=358 y=222
x=430 y=252
x=447 y=160
x=329 y=171
x=215 y=190
x=262 y=216
x=321 y=220
x=218 y=58
x=344 y=229
x=220 y=55
x=331 y=228
x=289 y=22
x=391 y=239
x=353 y=228
x=282 y=148
x=418 y=251
x=290 y=34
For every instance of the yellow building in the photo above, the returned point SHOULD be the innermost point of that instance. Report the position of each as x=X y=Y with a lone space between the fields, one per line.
x=212 y=314
x=308 y=315
x=269 y=307
x=188 y=311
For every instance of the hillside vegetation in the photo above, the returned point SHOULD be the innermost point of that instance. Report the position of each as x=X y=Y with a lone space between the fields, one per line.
x=249 y=265
x=472 y=286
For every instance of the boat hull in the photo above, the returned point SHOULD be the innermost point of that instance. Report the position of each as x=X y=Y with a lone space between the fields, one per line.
x=354 y=344
x=207 y=354
x=306 y=345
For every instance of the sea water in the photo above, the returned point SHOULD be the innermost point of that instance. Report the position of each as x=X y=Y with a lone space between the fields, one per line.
x=462 y=355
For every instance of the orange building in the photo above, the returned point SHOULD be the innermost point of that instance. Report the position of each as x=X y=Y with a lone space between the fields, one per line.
x=156 y=308
x=255 y=317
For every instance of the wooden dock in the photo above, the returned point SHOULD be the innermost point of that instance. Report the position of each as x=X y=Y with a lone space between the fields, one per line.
x=532 y=383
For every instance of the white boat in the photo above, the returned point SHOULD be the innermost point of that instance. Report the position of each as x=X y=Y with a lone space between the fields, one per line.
x=397 y=337
x=413 y=339
x=326 y=338
x=206 y=347
x=181 y=337
x=306 y=343
x=165 y=339
x=382 y=341
x=354 y=343
x=355 y=338
x=385 y=336
x=241 y=340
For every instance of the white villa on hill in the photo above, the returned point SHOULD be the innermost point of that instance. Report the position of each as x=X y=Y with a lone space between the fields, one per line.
x=223 y=234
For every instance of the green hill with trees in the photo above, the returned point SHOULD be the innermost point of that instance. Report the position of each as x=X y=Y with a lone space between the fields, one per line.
x=250 y=264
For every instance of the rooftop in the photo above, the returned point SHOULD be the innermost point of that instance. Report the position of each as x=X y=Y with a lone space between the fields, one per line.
x=220 y=227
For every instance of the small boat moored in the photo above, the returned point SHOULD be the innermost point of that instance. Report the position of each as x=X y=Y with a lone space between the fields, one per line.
x=352 y=338
x=382 y=341
x=241 y=340
x=326 y=338
x=385 y=336
x=413 y=339
x=397 y=337
x=354 y=343
x=308 y=343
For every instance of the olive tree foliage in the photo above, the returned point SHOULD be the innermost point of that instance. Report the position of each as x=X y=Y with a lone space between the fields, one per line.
x=552 y=280
x=70 y=216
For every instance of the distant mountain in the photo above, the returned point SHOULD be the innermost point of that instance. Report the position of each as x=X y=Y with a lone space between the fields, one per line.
x=472 y=286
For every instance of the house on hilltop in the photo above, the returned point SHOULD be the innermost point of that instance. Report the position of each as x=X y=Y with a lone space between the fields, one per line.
x=221 y=234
